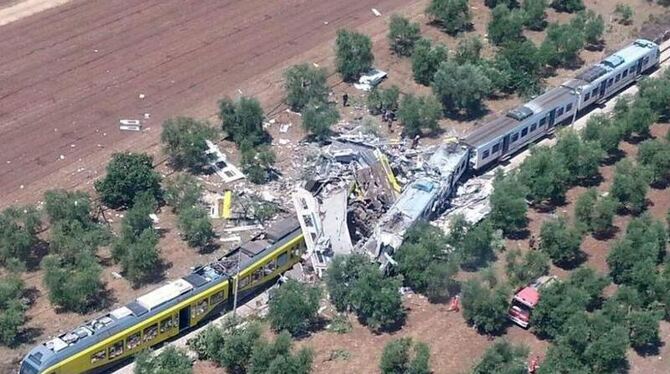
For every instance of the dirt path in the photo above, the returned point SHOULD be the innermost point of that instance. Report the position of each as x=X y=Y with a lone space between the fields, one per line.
x=65 y=84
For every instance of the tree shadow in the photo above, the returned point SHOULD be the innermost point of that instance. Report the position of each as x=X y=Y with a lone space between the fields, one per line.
x=438 y=24
x=39 y=250
x=31 y=294
x=467 y=116
x=519 y=234
x=574 y=263
x=209 y=248
x=394 y=327
x=660 y=184
x=27 y=335
x=594 y=181
x=596 y=47
x=317 y=326
x=156 y=275
x=614 y=157
x=649 y=350
x=636 y=139
x=607 y=234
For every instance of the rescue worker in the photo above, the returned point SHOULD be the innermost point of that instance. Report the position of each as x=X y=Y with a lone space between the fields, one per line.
x=345 y=100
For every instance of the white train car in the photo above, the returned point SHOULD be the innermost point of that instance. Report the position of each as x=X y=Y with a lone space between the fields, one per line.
x=601 y=81
x=505 y=135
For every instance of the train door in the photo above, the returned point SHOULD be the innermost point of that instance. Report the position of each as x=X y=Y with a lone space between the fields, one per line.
x=638 y=70
x=603 y=86
x=505 y=145
x=552 y=118
x=184 y=317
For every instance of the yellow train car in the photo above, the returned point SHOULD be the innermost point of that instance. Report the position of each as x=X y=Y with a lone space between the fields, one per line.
x=171 y=309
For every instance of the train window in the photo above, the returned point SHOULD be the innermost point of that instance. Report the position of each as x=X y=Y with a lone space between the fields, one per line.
x=495 y=149
x=594 y=92
x=543 y=121
x=133 y=340
x=559 y=112
x=515 y=137
x=282 y=259
x=485 y=155
x=116 y=349
x=568 y=108
x=166 y=324
x=609 y=84
x=244 y=282
x=631 y=70
x=216 y=298
x=533 y=127
x=618 y=78
x=150 y=332
x=524 y=132
x=199 y=308
x=98 y=356
x=645 y=60
x=625 y=74
x=257 y=275
x=587 y=97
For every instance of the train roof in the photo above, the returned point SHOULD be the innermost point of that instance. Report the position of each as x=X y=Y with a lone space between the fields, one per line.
x=504 y=124
x=161 y=298
x=632 y=52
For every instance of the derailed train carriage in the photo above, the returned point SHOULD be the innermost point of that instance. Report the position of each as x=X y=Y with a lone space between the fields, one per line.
x=170 y=310
x=182 y=304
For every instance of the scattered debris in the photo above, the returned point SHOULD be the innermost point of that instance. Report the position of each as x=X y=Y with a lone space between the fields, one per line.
x=376 y=12
x=234 y=238
x=370 y=79
x=219 y=163
x=129 y=125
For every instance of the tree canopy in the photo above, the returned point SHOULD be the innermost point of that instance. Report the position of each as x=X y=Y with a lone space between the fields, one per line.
x=318 y=117
x=452 y=15
x=73 y=286
x=654 y=155
x=12 y=309
x=18 y=233
x=402 y=35
x=354 y=283
x=522 y=269
x=485 y=308
x=569 y=6
x=170 y=361
x=426 y=59
x=294 y=308
x=545 y=174
x=560 y=242
x=462 y=88
x=404 y=356
x=536 y=17
x=418 y=114
x=182 y=191
x=304 y=83
x=381 y=99
x=630 y=186
x=195 y=226
x=503 y=358
x=505 y=25
x=242 y=120
x=183 y=141
x=508 y=203
x=353 y=53
x=128 y=174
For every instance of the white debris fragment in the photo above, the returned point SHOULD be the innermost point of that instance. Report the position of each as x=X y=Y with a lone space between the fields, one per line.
x=72 y=145
x=284 y=128
x=142 y=96
x=116 y=275
x=325 y=22
x=240 y=91
x=21 y=187
x=95 y=51
x=234 y=238
x=376 y=12
x=315 y=64
x=62 y=157
x=284 y=141
x=147 y=115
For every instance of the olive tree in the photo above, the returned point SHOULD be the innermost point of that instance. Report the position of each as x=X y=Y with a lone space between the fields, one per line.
x=242 y=120
x=170 y=361
x=508 y=203
x=183 y=141
x=630 y=185
x=318 y=117
x=461 y=87
x=503 y=357
x=18 y=233
x=404 y=356
x=195 y=226
x=128 y=174
x=452 y=15
x=353 y=53
x=567 y=5
x=560 y=242
x=12 y=309
x=402 y=35
x=426 y=59
x=483 y=307
x=304 y=83
x=294 y=307
x=505 y=25
x=536 y=17
x=418 y=114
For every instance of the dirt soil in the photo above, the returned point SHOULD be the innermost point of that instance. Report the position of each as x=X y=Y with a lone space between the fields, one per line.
x=70 y=73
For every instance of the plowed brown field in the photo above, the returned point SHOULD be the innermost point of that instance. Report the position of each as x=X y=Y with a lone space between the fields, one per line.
x=69 y=74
